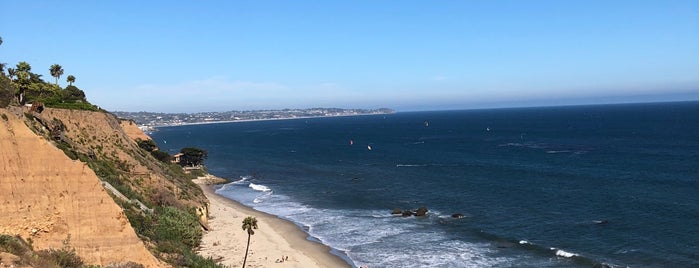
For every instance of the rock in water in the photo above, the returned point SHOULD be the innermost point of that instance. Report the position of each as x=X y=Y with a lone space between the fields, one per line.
x=422 y=211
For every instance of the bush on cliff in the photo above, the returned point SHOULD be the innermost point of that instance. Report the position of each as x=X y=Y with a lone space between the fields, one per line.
x=63 y=257
x=174 y=231
x=7 y=91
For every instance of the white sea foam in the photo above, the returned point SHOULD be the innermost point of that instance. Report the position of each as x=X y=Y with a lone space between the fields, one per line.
x=524 y=242
x=372 y=237
x=262 y=198
x=558 y=151
x=411 y=165
x=259 y=187
x=242 y=180
x=565 y=254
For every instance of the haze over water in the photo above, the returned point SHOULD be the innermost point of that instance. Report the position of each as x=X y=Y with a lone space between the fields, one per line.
x=539 y=187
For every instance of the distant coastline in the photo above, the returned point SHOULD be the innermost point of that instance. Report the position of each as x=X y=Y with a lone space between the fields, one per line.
x=149 y=121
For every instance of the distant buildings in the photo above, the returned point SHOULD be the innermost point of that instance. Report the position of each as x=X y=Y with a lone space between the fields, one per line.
x=148 y=120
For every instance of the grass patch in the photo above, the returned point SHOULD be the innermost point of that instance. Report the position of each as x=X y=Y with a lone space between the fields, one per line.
x=63 y=257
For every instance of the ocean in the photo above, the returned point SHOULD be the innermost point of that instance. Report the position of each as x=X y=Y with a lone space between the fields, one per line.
x=577 y=186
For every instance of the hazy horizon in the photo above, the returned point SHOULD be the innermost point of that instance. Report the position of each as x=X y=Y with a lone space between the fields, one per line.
x=413 y=56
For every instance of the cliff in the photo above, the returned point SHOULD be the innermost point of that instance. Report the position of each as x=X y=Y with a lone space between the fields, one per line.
x=46 y=197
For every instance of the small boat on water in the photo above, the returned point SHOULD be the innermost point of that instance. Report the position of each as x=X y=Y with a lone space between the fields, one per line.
x=368 y=147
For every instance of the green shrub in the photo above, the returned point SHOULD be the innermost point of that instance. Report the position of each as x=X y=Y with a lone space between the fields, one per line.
x=125 y=265
x=148 y=144
x=191 y=259
x=161 y=156
x=177 y=226
x=7 y=91
x=14 y=245
x=64 y=257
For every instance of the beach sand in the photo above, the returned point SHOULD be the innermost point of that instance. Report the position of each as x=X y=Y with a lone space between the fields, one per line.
x=226 y=240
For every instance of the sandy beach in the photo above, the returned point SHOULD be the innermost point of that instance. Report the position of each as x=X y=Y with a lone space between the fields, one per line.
x=275 y=238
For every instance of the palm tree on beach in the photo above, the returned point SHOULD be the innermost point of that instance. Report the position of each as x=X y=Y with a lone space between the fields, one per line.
x=70 y=79
x=56 y=71
x=249 y=223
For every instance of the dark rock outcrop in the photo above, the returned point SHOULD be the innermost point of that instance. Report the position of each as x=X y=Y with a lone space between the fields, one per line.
x=421 y=212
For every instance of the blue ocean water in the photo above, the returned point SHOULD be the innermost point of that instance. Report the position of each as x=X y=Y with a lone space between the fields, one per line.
x=577 y=186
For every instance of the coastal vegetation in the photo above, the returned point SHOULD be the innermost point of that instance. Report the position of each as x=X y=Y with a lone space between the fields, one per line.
x=25 y=255
x=249 y=223
x=162 y=204
x=192 y=157
x=20 y=85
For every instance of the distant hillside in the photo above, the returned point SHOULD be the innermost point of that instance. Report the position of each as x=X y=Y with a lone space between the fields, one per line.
x=170 y=119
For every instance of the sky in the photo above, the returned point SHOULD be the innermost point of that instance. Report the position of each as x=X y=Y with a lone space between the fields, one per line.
x=197 y=56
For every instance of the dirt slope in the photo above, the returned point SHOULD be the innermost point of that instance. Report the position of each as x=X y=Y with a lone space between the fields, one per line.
x=102 y=134
x=132 y=130
x=46 y=197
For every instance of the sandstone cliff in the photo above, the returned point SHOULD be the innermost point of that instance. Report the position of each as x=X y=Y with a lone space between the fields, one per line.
x=46 y=197
x=103 y=135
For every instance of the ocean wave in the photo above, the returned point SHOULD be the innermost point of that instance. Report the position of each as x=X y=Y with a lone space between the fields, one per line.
x=563 y=253
x=558 y=151
x=242 y=180
x=411 y=165
x=262 y=198
x=259 y=187
x=374 y=237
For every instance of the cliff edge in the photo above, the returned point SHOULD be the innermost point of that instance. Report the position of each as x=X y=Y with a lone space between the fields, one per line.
x=45 y=197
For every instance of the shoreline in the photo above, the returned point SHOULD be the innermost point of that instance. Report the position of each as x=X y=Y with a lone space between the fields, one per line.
x=276 y=237
x=254 y=120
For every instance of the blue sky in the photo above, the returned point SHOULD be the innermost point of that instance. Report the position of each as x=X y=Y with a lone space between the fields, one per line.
x=187 y=56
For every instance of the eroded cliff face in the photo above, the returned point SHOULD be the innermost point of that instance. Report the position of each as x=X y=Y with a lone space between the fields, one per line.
x=47 y=197
x=132 y=130
x=104 y=135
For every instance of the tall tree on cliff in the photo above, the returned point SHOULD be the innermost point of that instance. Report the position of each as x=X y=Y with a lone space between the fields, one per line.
x=70 y=79
x=249 y=223
x=192 y=156
x=56 y=71
x=23 y=66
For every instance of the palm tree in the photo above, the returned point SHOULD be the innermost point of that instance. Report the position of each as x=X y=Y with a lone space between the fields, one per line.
x=23 y=66
x=56 y=71
x=249 y=223
x=11 y=73
x=70 y=79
